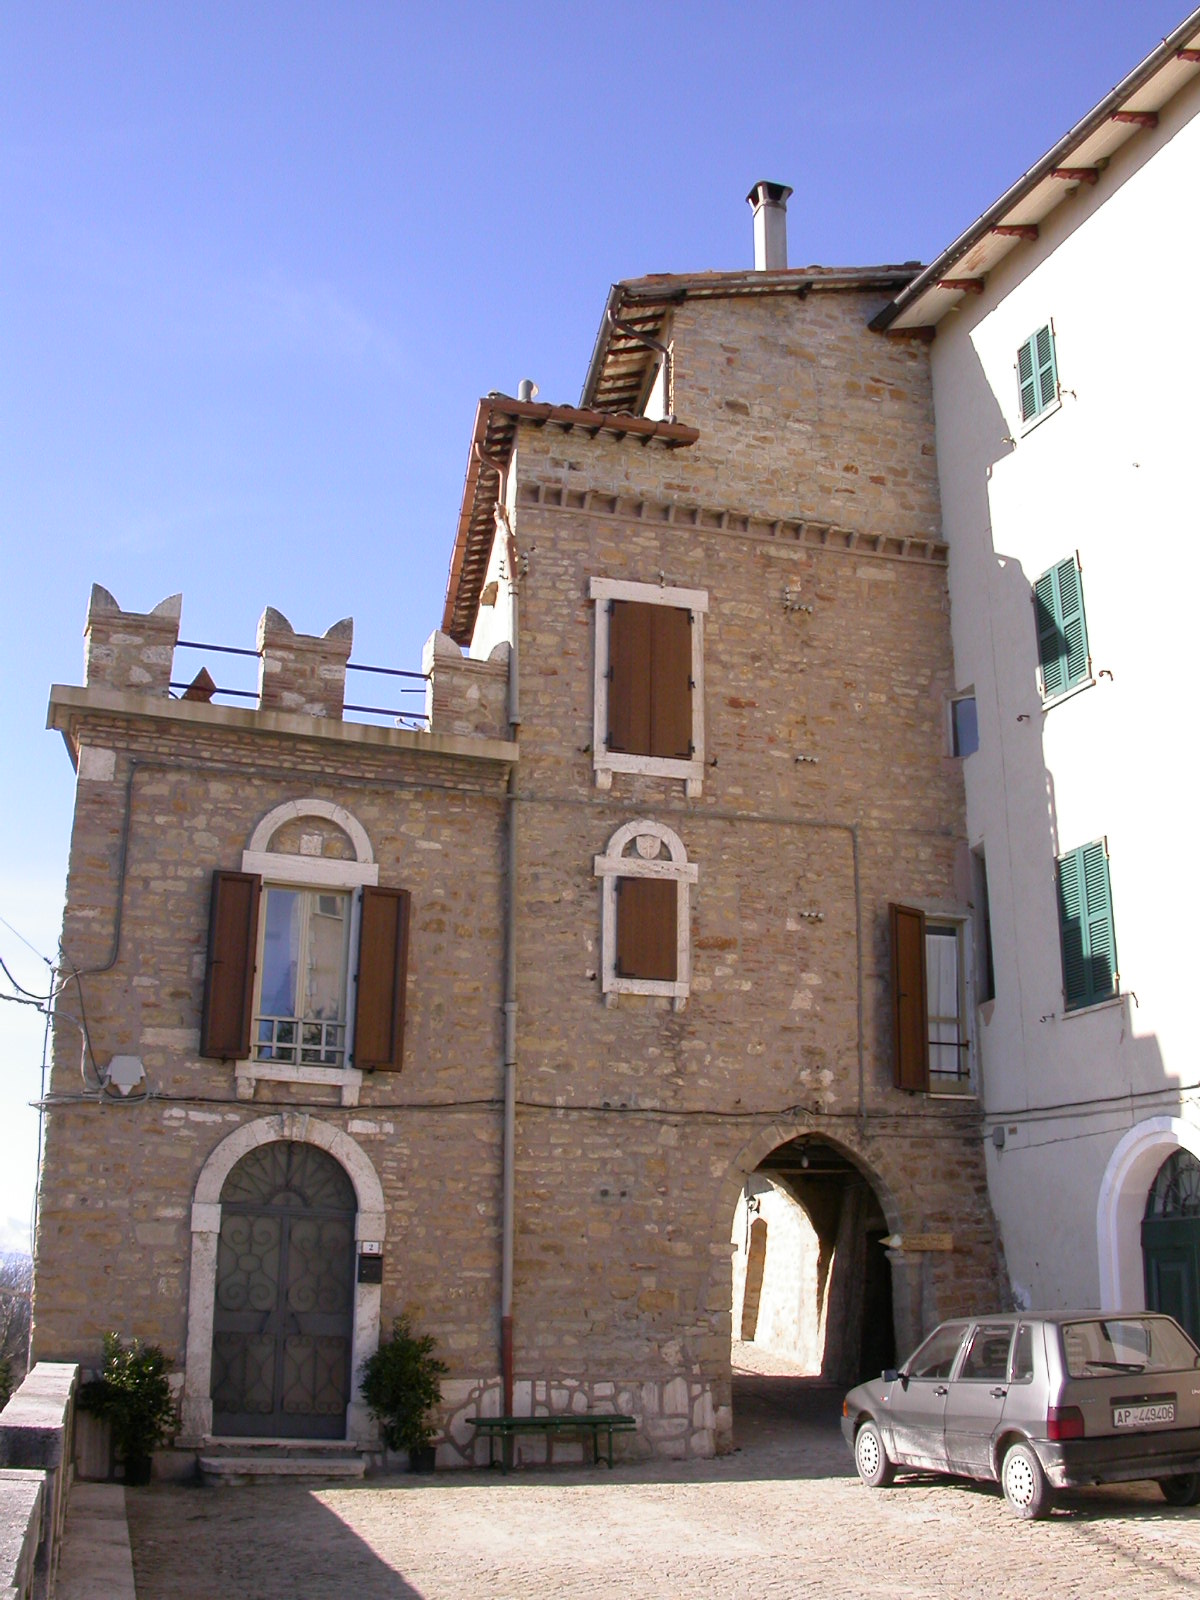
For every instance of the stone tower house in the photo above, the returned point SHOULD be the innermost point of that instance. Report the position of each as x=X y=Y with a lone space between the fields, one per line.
x=672 y=891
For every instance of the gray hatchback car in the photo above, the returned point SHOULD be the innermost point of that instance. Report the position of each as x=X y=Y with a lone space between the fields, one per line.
x=1038 y=1403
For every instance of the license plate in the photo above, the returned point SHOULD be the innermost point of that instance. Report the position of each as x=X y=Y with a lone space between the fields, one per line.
x=1143 y=1416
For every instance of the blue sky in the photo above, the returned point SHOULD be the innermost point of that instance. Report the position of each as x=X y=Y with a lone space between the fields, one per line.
x=260 y=261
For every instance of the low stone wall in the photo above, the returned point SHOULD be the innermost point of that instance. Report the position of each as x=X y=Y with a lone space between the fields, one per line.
x=36 y=1452
x=676 y=1418
x=22 y=1513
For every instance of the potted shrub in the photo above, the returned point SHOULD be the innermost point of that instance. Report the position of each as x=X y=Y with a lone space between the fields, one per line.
x=401 y=1384
x=132 y=1391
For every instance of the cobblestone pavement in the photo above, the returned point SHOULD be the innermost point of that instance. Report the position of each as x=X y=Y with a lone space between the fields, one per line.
x=783 y=1516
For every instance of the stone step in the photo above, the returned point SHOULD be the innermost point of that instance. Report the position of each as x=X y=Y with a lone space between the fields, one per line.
x=233 y=1444
x=286 y=1466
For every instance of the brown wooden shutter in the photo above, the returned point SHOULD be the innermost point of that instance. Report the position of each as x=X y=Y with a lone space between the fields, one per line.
x=910 y=1011
x=671 y=683
x=647 y=944
x=228 y=1007
x=382 y=980
x=629 y=657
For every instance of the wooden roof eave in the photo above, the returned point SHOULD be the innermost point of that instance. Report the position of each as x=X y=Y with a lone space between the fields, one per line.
x=493 y=437
x=1087 y=147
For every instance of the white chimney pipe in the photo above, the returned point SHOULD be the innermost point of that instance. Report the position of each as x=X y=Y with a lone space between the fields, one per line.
x=770 y=225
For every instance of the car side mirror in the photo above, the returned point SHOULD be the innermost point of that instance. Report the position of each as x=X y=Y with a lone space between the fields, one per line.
x=890 y=1375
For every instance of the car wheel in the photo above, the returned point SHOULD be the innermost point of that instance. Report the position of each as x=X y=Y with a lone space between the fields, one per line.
x=871 y=1459
x=1024 y=1482
x=1183 y=1490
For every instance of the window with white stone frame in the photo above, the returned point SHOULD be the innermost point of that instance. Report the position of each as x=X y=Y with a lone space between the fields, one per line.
x=648 y=702
x=307 y=961
x=645 y=913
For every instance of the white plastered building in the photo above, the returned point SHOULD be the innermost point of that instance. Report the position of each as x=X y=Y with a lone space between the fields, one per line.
x=1066 y=365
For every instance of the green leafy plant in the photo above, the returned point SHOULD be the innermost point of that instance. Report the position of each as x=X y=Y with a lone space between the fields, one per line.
x=401 y=1384
x=132 y=1391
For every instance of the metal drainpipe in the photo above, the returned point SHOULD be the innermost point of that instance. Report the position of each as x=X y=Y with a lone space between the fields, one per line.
x=508 y=1213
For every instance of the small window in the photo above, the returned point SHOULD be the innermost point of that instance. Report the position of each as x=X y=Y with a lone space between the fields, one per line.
x=304 y=952
x=1037 y=374
x=981 y=924
x=946 y=1006
x=929 y=1003
x=964 y=724
x=1061 y=629
x=281 y=964
x=1089 y=945
x=645 y=913
x=649 y=692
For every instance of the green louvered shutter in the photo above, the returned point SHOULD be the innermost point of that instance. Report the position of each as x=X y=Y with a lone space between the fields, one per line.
x=1061 y=629
x=1089 y=946
x=1047 y=372
x=1037 y=373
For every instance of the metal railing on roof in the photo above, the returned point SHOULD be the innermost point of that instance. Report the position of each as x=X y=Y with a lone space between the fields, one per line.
x=400 y=714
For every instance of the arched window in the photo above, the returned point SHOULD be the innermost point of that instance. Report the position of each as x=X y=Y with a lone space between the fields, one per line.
x=307 y=955
x=646 y=913
x=1176 y=1190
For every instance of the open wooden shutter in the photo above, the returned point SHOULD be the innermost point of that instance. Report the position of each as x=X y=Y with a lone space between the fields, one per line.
x=1062 y=628
x=228 y=1008
x=1089 y=947
x=647 y=943
x=629 y=669
x=382 y=980
x=671 y=683
x=910 y=1019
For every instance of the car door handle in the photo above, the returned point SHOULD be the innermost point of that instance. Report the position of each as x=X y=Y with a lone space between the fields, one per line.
x=941 y=1389
x=998 y=1394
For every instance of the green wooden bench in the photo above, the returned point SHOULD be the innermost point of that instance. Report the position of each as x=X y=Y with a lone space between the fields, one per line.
x=593 y=1422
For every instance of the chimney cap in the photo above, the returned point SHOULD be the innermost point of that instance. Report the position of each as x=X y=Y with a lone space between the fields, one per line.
x=764 y=193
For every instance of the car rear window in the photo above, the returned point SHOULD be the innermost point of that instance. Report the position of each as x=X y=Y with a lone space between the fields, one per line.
x=1126 y=1344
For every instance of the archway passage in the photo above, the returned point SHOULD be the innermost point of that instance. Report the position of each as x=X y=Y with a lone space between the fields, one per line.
x=1171 y=1241
x=812 y=1282
x=284 y=1312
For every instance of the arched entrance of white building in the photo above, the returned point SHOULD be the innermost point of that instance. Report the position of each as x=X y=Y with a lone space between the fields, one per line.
x=1147 y=1224
x=1171 y=1241
x=812 y=1285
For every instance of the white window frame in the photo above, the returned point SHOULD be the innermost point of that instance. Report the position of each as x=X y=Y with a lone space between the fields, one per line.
x=615 y=864
x=320 y=873
x=966 y=1084
x=604 y=761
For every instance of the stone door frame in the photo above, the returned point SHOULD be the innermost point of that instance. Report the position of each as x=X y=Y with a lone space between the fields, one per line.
x=370 y=1226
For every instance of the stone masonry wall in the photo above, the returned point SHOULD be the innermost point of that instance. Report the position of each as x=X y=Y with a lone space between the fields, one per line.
x=829 y=792
x=119 y=1175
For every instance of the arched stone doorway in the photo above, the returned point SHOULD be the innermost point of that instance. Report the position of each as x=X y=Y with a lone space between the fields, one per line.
x=369 y=1227
x=283 y=1319
x=811 y=1278
x=1125 y=1196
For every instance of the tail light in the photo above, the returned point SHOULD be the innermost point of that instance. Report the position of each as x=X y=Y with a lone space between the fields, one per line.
x=1064 y=1422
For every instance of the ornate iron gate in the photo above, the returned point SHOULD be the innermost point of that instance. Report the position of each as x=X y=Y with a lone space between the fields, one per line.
x=284 y=1313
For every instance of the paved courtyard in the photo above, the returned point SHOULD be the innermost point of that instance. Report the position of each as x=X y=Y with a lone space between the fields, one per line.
x=783 y=1516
